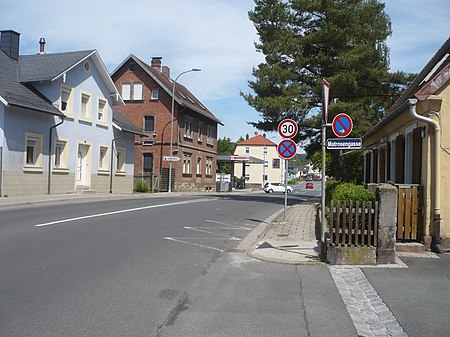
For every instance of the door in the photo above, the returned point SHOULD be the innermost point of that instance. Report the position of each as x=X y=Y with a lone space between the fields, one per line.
x=81 y=165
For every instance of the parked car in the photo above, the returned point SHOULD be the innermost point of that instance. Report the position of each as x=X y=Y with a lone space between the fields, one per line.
x=276 y=187
x=309 y=185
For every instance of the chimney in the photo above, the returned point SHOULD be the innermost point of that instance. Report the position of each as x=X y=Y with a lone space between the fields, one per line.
x=247 y=136
x=166 y=71
x=156 y=63
x=9 y=43
x=41 y=46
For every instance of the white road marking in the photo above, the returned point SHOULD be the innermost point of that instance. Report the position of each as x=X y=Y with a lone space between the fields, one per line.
x=193 y=243
x=213 y=233
x=226 y=224
x=124 y=211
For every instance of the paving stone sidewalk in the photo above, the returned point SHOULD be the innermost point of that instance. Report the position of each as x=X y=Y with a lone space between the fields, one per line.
x=291 y=240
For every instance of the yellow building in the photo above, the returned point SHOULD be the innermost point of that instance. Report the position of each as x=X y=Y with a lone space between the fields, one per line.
x=410 y=146
x=257 y=174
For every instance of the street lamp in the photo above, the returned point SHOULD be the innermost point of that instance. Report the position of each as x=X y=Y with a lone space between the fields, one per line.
x=171 y=124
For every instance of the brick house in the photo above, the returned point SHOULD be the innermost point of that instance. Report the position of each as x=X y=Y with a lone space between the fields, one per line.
x=147 y=92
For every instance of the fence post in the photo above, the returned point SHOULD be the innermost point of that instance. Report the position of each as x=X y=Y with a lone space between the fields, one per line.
x=387 y=223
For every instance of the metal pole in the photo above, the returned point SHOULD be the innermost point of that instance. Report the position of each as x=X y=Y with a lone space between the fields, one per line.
x=171 y=125
x=285 y=187
x=1 y=171
x=322 y=232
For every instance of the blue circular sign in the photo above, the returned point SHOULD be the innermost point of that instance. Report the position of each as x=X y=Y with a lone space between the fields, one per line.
x=342 y=125
x=287 y=148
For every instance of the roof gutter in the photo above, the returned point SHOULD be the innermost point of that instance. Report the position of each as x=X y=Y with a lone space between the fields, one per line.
x=436 y=175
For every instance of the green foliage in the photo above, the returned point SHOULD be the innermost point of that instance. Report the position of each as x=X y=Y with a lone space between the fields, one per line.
x=305 y=41
x=141 y=186
x=225 y=146
x=349 y=191
x=329 y=189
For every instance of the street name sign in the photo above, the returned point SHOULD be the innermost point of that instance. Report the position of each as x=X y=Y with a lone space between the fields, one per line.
x=287 y=128
x=170 y=158
x=287 y=149
x=342 y=125
x=344 y=143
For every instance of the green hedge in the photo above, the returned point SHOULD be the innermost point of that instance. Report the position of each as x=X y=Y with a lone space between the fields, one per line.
x=350 y=191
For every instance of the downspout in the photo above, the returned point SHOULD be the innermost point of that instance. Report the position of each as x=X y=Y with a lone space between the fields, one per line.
x=436 y=172
x=50 y=153
x=111 y=166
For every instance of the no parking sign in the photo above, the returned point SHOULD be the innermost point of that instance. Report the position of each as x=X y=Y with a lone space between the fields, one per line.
x=342 y=125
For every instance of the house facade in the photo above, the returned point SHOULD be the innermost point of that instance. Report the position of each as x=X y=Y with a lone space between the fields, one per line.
x=58 y=131
x=410 y=146
x=147 y=91
x=257 y=174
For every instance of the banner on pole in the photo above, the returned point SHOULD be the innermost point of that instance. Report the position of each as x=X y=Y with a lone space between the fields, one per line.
x=326 y=94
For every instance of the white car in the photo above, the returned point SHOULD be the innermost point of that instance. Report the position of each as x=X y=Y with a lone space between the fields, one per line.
x=276 y=187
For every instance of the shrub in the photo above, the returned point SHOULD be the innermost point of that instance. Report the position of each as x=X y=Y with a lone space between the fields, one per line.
x=349 y=191
x=141 y=186
x=329 y=189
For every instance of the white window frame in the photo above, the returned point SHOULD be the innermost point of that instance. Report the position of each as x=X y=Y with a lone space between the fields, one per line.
x=155 y=94
x=209 y=164
x=199 y=130
x=134 y=93
x=60 y=155
x=247 y=149
x=68 y=111
x=102 y=113
x=143 y=123
x=87 y=114
x=188 y=127
x=103 y=160
x=126 y=91
x=34 y=141
x=187 y=163
x=209 y=135
x=120 y=161
x=199 y=166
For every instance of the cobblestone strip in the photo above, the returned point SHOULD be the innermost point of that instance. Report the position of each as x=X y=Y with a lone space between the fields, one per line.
x=371 y=317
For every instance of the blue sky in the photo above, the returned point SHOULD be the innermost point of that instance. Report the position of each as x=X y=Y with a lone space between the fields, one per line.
x=214 y=35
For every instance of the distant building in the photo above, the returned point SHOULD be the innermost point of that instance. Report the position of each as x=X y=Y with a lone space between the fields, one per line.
x=147 y=92
x=257 y=174
x=58 y=130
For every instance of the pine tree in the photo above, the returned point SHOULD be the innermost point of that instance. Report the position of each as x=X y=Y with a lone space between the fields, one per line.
x=305 y=41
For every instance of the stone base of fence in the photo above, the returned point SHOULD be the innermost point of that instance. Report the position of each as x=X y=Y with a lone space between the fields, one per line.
x=352 y=255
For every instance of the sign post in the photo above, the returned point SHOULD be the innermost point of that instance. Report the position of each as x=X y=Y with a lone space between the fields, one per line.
x=287 y=149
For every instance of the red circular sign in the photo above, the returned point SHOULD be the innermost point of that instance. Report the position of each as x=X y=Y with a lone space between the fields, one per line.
x=287 y=148
x=342 y=125
x=287 y=128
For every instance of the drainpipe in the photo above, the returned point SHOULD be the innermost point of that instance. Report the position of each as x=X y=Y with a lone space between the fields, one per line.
x=436 y=172
x=111 y=168
x=50 y=154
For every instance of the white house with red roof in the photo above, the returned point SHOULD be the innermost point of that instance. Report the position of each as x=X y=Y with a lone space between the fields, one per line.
x=257 y=174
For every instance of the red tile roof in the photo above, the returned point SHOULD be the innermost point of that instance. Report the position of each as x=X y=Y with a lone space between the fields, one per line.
x=257 y=140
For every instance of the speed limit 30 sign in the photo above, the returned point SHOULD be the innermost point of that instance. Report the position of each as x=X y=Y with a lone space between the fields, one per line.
x=287 y=128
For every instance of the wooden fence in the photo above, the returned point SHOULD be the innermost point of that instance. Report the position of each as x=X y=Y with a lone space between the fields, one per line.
x=353 y=223
x=409 y=218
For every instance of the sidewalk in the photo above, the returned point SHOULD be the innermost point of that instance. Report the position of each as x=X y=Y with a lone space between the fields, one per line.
x=292 y=241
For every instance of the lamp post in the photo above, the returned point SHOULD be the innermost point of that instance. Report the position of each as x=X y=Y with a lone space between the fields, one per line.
x=171 y=124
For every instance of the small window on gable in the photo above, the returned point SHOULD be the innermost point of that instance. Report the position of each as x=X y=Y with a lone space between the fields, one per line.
x=101 y=112
x=155 y=94
x=138 y=92
x=85 y=106
x=247 y=149
x=126 y=91
x=65 y=105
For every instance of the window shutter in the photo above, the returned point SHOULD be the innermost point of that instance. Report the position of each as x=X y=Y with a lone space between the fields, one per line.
x=126 y=91
x=400 y=159
x=137 y=92
x=417 y=156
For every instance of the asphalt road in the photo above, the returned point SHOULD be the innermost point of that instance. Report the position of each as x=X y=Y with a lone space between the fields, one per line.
x=152 y=267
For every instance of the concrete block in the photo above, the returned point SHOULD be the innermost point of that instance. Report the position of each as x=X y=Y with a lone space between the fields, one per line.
x=352 y=255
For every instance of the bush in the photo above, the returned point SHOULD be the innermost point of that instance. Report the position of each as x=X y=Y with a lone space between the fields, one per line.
x=329 y=189
x=349 y=191
x=141 y=186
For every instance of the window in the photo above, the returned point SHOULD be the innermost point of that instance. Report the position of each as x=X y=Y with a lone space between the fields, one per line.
x=199 y=135
x=188 y=127
x=103 y=159
x=101 y=112
x=147 y=163
x=247 y=149
x=85 y=112
x=126 y=91
x=132 y=91
x=65 y=105
x=199 y=166
x=265 y=150
x=210 y=135
x=155 y=94
x=276 y=163
x=60 y=157
x=120 y=160
x=33 y=151
x=209 y=162
x=149 y=123
x=187 y=157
